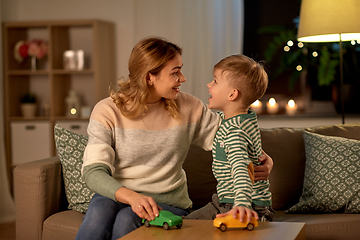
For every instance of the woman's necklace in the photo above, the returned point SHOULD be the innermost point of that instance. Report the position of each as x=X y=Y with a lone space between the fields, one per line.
x=145 y=113
x=144 y=122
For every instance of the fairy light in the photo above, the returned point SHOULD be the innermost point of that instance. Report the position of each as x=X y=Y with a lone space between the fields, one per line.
x=299 y=68
x=315 y=54
x=300 y=45
x=286 y=48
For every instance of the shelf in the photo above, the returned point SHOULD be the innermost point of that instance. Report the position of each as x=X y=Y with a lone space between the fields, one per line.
x=29 y=119
x=46 y=72
x=51 y=83
x=27 y=72
x=71 y=119
x=63 y=71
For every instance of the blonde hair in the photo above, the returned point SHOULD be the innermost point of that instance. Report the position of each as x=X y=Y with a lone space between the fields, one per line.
x=246 y=75
x=150 y=55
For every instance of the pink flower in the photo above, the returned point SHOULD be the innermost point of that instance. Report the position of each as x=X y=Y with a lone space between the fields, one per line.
x=35 y=47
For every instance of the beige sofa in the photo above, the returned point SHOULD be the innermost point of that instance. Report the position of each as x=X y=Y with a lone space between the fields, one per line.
x=41 y=206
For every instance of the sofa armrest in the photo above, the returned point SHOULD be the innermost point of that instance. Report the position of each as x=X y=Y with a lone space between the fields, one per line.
x=38 y=194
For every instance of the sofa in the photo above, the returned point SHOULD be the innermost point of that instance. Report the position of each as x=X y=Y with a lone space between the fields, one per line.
x=42 y=208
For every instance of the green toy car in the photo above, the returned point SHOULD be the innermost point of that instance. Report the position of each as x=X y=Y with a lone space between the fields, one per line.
x=165 y=219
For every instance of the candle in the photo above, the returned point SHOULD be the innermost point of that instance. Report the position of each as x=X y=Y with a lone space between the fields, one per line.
x=291 y=107
x=256 y=107
x=272 y=106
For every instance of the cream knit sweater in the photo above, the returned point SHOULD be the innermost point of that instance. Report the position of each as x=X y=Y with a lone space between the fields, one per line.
x=146 y=154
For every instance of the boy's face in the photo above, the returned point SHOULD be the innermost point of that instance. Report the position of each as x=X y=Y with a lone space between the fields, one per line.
x=219 y=91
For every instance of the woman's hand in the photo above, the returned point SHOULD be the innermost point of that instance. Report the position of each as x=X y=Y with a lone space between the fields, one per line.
x=144 y=206
x=243 y=211
x=262 y=171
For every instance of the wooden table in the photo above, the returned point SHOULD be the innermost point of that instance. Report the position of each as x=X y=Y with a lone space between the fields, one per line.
x=204 y=229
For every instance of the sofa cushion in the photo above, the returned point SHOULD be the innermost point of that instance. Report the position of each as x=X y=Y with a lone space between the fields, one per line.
x=70 y=148
x=200 y=179
x=332 y=175
x=62 y=225
x=286 y=147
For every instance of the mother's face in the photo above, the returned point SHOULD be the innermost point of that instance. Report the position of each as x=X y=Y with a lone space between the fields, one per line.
x=166 y=83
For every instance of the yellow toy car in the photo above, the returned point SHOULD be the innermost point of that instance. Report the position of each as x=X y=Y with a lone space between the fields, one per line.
x=228 y=221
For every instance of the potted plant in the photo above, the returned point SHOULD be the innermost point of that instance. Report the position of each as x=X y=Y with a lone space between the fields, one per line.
x=28 y=105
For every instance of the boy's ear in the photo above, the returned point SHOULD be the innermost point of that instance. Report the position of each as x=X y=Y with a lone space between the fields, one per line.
x=234 y=94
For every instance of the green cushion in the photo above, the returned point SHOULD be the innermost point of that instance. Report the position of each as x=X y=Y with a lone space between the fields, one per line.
x=332 y=175
x=70 y=148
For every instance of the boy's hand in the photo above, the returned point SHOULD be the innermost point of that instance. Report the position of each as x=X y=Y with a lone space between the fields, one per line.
x=242 y=212
x=262 y=172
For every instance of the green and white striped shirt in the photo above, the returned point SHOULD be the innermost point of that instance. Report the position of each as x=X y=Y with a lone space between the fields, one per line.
x=238 y=143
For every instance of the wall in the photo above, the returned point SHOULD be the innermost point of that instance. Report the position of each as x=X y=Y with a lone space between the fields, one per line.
x=7 y=207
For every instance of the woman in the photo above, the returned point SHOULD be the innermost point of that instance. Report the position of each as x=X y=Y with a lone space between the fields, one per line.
x=138 y=140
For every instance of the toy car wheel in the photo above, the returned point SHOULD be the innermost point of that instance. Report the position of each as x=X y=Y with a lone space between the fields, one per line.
x=250 y=227
x=147 y=223
x=179 y=226
x=223 y=227
x=166 y=226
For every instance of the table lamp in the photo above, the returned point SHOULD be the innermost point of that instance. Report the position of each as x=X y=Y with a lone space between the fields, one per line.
x=330 y=21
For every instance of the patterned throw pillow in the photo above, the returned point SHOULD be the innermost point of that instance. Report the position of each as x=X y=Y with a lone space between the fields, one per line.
x=332 y=175
x=70 y=148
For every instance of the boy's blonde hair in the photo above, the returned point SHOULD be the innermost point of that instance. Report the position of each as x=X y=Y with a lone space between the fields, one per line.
x=150 y=55
x=246 y=75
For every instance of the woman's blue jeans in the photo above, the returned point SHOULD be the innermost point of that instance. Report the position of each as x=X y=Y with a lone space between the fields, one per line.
x=107 y=219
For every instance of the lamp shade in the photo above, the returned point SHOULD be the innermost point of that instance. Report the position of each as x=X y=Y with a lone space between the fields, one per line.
x=326 y=20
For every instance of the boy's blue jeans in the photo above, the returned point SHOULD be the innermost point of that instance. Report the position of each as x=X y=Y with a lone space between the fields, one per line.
x=107 y=219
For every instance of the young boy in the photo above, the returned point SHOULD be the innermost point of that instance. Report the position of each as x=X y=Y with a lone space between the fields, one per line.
x=238 y=82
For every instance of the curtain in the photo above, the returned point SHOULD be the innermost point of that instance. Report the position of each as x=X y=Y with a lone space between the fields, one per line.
x=206 y=30
x=7 y=206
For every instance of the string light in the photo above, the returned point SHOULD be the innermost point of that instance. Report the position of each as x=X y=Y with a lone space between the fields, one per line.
x=300 y=45
x=353 y=42
x=290 y=43
x=286 y=48
x=299 y=68
x=315 y=54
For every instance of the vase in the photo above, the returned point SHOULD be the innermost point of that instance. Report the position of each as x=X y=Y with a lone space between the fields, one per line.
x=33 y=63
